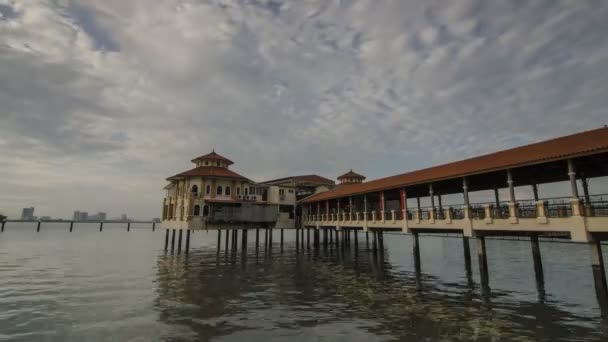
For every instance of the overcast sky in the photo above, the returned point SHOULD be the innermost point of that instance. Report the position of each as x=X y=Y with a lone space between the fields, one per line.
x=101 y=100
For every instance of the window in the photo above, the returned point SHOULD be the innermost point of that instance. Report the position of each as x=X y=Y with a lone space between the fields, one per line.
x=246 y=191
x=219 y=190
x=218 y=163
x=290 y=191
x=208 y=189
x=227 y=191
x=206 y=211
x=195 y=188
x=238 y=191
x=206 y=163
x=197 y=210
x=281 y=192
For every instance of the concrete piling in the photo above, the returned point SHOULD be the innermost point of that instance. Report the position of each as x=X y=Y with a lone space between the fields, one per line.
x=2 y=229
x=226 y=241
x=187 y=241
x=166 y=239
x=282 y=240
x=100 y=226
x=416 y=246
x=244 y=241
x=483 y=266
x=173 y=241
x=179 y=242
x=467 y=255
x=599 y=277
x=219 y=240
x=38 y=227
x=153 y=226
x=538 y=267
x=128 y=226
x=72 y=226
x=307 y=238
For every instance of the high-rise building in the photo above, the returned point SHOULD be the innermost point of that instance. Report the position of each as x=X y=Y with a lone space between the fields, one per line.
x=76 y=216
x=27 y=213
x=101 y=216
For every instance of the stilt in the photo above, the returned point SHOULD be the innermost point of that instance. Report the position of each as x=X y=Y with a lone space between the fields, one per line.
x=270 y=240
x=331 y=237
x=599 y=277
x=100 y=226
x=297 y=239
x=416 y=241
x=179 y=242
x=356 y=234
x=483 y=266
x=381 y=241
x=226 y=249
x=2 y=229
x=153 y=226
x=282 y=240
x=235 y=239
x=367 y=241
x=128 y=226
x=324 y=238
x=219 y=240
x=257 y=239
x=374 y=242
x=187 y=241
x=71 y=226
x=166 y=239
x=244 y=241
x=538 y=267
x=302 y=238
x=38 y=227
x=467 y=259
x=307 y=238
x=173 y=241
x=266 y=239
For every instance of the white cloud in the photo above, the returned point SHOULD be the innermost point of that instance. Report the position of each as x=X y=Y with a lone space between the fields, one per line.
x=110 y=97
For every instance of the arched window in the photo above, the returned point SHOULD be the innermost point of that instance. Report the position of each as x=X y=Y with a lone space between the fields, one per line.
x=195 y=188
x=227 y=191
x=208 y=190
x=219 y=190
x=246 y=191
x=238 y=191
x=197 y=210
x=206 y=211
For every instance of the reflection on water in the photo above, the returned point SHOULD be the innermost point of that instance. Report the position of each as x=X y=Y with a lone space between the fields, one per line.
x=57 y=286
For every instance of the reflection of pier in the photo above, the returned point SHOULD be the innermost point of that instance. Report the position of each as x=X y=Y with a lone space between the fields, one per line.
x=222 y=292
x=382 y=204
x=71 y=223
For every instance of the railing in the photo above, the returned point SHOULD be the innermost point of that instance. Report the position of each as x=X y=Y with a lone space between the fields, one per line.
x=597 y=206
x=388 y=216
x=424 y=214
x=526 y=209
x=478 y=213
x=370 y=216
x=440 y=214
x=501 y=212
x=458 y=214
x=410 y=215
x=559 y=210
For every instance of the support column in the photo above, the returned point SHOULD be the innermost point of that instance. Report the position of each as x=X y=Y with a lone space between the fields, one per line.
x=432 y=195
x=226 y=241
x=356 y=234
x=512 y=202
x=483 y=265
x=219 y=240
x=187 y=241
x=266 y=239
x=416 y=246
x=128 y=226
x=173 y=241
x=298 y=238
x=307 y=238
x=166 y=237
x=467 y=256
x=270 y=240
x=599 y=277
x=100 y=226
x=38 y=227
x=588 y=210
x=381 y=241
x=71 y=228
x=367 y=241
x=572 y=175
x=179 y=242
x=535 y=192
x=496 y=198
x=374 y=241
x=3 y=223
x=244 y=241
x=153 y=226
x=282 y=240
x=538 y=267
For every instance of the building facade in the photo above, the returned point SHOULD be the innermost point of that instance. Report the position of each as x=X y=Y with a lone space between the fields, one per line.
x=27 y=214
x=211 y=196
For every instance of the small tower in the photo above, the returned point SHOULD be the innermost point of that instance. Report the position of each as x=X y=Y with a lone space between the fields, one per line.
x=212 y=160
x=351 y=178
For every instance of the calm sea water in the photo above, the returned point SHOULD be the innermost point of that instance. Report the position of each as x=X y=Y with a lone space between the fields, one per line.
x=119 y=286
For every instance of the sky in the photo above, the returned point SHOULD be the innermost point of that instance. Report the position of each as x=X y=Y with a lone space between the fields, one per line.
x=101 y=100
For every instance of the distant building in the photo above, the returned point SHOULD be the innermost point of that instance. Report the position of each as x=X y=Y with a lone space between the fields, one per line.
x=101 y=216
x=123 y=217
x=156 y=220
x=27 y=213
x=45 y=218
x=76 y=216
x=83 y=216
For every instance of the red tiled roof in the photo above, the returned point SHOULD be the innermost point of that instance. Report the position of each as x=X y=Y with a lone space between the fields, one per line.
x=214 y=156
x=584 y=143
x=304 y=178
x=210 y=171
x=351 y=174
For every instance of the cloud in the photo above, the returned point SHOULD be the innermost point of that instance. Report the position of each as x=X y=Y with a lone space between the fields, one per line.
x=109 y=97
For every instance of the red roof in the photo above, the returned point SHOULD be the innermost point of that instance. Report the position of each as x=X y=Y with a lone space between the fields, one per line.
x=214 y=156
x=352 y=174
x=580 y=144
x=210 y=171
x=304 y=178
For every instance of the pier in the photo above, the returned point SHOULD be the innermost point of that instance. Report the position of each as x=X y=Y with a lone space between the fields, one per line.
x=382 y=205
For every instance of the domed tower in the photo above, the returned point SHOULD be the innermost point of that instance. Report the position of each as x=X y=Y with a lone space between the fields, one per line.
x=351 y=178
x=212 y=159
